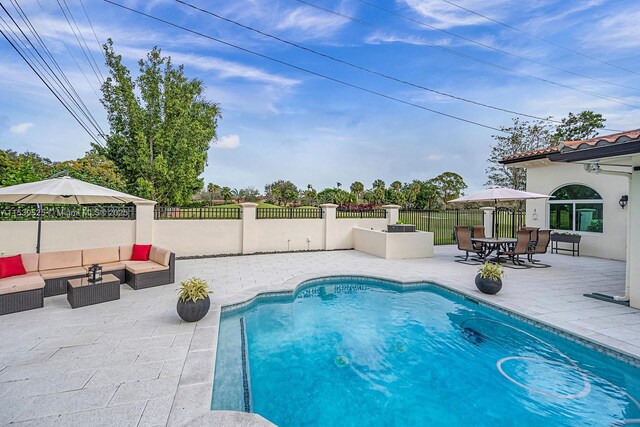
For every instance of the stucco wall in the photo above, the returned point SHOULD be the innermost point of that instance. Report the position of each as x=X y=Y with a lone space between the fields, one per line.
x=20 y=236
x=189 y=237
x=546 y=178
x=199 y=237
x=393 y=245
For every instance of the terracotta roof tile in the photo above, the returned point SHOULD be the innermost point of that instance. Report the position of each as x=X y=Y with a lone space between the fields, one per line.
x=630 y=135
x=603 y=140
x=532 y=153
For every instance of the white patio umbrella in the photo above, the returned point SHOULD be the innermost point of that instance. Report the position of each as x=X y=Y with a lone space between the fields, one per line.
x=499 y=194
x=62 y=190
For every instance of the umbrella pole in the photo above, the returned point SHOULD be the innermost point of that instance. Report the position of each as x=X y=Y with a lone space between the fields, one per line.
x=39 y=227
x=495 y=212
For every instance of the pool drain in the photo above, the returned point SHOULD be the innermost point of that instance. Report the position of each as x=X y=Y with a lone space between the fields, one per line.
x=341 y=361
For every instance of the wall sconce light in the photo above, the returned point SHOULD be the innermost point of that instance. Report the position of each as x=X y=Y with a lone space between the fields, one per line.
x=623 y=201
x=535 y=215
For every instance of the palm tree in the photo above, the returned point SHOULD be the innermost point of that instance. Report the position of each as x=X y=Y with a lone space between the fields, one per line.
x=226 y=194
x=378 y=184
x=357 y=188
x=338 y=184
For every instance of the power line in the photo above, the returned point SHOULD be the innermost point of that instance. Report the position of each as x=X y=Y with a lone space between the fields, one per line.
x=317 y=74
x=75 y=99
x=488 y=46
x=368 y=70
x=551 y=42
x=55 y=28
x=92 y=29
x=49 y=87
x=95 y=71
x=84 y=40
x=491 y=64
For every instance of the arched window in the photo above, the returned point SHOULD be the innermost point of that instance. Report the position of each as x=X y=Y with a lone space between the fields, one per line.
x=576 y=207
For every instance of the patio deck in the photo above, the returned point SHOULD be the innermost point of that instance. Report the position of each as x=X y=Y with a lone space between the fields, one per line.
x=133 y=362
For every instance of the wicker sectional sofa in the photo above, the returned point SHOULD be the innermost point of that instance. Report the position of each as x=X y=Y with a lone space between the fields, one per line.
x=48 y=273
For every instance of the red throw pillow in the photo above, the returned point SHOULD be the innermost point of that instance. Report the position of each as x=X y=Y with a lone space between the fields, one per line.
x=11 y=266
x=140 y=252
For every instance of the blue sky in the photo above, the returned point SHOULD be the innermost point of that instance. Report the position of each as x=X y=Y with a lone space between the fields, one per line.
x=282 y=123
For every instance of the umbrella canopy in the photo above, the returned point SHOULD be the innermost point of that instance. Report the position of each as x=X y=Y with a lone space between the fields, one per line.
x=63 y=190
x=499 y=193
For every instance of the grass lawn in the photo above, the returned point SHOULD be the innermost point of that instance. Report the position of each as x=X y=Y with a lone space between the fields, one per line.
x=442 y=223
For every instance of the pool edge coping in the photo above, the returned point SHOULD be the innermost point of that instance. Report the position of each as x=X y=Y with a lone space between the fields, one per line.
x=296 y=284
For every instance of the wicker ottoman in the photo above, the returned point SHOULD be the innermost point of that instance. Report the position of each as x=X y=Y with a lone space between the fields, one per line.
x=81 y=292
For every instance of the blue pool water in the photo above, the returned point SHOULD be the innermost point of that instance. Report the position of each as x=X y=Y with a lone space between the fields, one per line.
x=359 y=352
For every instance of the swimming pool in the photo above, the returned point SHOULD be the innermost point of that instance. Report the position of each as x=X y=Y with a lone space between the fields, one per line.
x=355 y=351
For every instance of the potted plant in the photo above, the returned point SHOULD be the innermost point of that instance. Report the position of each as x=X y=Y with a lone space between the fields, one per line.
x=489 y=278
x=193 y=301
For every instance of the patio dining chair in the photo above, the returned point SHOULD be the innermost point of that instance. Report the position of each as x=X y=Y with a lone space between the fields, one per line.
x=477 y=232
x=541 y=245
x=521 y=247
x=534 y=232
x=462 y=234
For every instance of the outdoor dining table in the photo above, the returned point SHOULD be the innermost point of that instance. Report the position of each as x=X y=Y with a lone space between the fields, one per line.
x=494 y=244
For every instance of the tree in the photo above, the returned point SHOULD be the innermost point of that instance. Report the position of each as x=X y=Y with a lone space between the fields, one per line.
x=522 y=136
x=96 y=169
x=357 y=189
x=309 y=196
x=411 y=192
x=576 y=127
x=281 y=192
x=450 y=185
x=225 y=192
x=429 y=196
x=249 y=194
x=161 y=127
x=338 y=184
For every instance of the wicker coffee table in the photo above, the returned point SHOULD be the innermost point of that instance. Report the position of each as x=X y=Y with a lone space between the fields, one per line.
x=81 y=292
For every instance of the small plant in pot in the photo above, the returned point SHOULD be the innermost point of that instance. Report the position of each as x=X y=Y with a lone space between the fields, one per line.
x=193 y=301
x=489 y=278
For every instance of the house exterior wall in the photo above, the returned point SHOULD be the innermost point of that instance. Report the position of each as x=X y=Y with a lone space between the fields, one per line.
x=546 y=177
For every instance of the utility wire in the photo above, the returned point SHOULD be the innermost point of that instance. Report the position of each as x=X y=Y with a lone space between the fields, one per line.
x=75 y=96
x=95 y=72
x=49 y=87
x=73 y=57
x=551 y=42
x=317 y=74
x=492 y=64
x=84 y=41
x=368 y=70
x=488 y=46
x=93 y=29
x=77 y=101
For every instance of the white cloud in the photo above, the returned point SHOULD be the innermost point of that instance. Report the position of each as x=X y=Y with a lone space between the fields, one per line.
x=444 y=15
x=21 y=128
x=434 y=157
x=311 y=22
x=228 y=142
x=381 y=38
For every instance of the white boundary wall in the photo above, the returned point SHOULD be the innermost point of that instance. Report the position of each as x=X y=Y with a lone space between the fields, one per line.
x=194 y=237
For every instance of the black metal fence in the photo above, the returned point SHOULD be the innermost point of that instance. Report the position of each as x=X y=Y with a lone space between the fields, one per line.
x=12 y=212
x=509 y=221
x=288 y=213
x=441 y=222
x=168 y=212
x=365 y=213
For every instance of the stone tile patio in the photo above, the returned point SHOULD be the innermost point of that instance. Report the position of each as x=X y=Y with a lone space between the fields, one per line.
x=132 y=362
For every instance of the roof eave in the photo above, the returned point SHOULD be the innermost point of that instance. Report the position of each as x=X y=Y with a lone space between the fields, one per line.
x=524 y=159
x=595 y=153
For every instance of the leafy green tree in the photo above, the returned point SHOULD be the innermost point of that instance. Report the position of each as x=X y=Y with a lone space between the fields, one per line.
x=249 y=194
x=522 y=136
x=429 y=196
x=281 y=192
x=19 y=168
x=450 y=185
x=411 y=192
x=328 y=195
x=357 y=189
x=576 y=127
x=310 y=196
x=96 y=169
x=161 y=127
x=378 y=184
